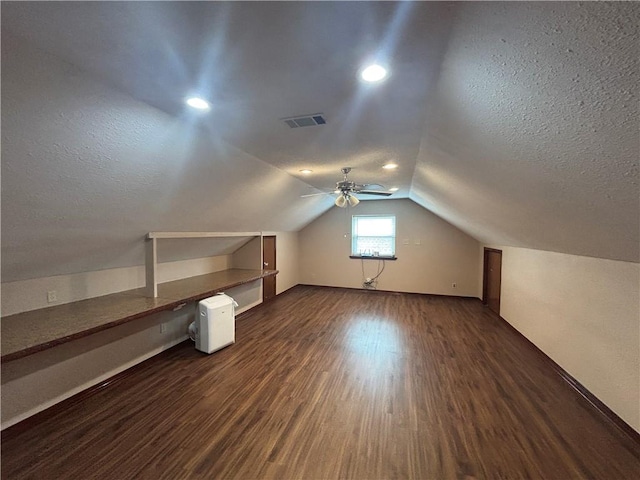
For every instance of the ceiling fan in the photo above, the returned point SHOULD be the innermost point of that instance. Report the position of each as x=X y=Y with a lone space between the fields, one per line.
x=346 y=189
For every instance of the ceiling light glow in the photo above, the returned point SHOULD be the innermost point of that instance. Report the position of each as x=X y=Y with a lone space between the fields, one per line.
x=306 y=171
x=373 y=73
x=198 y=103
x=393 y=189
x=390 y=166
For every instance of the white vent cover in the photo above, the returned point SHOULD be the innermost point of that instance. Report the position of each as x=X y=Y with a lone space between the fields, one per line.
x=305 y=120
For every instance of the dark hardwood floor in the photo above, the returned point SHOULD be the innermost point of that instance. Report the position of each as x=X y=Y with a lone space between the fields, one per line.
x=334 y=383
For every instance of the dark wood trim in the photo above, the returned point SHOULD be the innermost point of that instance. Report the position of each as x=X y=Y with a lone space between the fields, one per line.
x=485 y=271
x=594 y=401
x=371 y=257
x=375 y=290
x=268 y=291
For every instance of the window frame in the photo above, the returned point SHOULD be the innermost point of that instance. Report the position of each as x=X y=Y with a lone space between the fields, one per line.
x=354 y=238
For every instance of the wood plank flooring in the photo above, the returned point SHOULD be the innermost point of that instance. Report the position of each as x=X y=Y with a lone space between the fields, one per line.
x=334 y=383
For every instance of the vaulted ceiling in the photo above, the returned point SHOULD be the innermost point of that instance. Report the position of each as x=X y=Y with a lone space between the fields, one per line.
x=516 y=122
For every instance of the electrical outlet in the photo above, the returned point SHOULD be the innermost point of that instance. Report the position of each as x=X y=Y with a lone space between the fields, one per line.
x=163 y=328
x=454 y=285
x=52 y=296
x=405 y=241
x=417 y=241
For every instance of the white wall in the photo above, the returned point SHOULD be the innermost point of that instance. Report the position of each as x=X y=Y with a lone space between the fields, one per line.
x=25 y=295
x=287 y=260
x=436 y=256
x=584 y=313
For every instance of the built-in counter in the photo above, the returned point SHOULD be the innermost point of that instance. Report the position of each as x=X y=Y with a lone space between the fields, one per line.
x=26 y=333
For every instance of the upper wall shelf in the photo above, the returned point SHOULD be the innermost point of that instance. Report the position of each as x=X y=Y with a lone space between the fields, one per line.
x=151 y=256
x=151 y=235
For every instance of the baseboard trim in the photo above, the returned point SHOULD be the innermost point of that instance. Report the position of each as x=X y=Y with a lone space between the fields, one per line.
x=605 y=412
x=440 y=295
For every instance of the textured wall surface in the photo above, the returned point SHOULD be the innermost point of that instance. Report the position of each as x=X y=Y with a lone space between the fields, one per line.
x=584 y=313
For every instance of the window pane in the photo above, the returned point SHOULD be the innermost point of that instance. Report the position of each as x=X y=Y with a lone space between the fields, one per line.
x=373 y=234
x=383 y=245
x=371 y=226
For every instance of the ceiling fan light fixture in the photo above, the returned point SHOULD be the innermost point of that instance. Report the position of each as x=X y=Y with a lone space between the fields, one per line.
x=353 y=201
x=390 y=166
x=341 y=201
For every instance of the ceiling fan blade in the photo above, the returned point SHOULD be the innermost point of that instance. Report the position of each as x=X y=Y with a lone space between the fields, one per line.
x=315 y=194
x=365 y=185
x=381 y=193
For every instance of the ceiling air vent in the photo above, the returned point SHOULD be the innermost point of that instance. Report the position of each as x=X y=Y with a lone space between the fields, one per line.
x=305 y=120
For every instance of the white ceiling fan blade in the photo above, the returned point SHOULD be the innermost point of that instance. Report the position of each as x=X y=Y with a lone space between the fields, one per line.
x=315 y=194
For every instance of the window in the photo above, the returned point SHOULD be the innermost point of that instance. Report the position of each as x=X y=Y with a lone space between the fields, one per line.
x=373 y=235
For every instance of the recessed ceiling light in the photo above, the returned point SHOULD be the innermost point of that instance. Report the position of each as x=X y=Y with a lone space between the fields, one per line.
x=373 y=73
x=393 y=189
x=306 y=171
x=199 y=103
x=390 y=166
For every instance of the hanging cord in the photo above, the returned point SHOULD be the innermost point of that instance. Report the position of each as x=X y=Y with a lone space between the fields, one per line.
x=372 y=283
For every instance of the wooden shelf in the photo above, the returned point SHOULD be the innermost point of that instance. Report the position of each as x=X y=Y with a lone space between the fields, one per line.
x=151 y=253
x=26 y=333
x=202 y=234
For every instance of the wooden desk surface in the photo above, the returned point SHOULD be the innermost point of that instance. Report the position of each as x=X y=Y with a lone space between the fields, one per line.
x=30 y=332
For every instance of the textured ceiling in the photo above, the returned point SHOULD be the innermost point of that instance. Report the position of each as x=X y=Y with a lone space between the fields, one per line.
x=259 y=62
x=517 y=122
x=532 y=136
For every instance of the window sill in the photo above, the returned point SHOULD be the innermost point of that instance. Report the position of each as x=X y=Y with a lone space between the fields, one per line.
x=372 y=257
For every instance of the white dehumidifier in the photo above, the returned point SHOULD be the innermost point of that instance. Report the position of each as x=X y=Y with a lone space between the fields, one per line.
x=215 y=325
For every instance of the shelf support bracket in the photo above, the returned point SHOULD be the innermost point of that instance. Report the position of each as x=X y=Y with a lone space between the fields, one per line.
x=151 y=264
